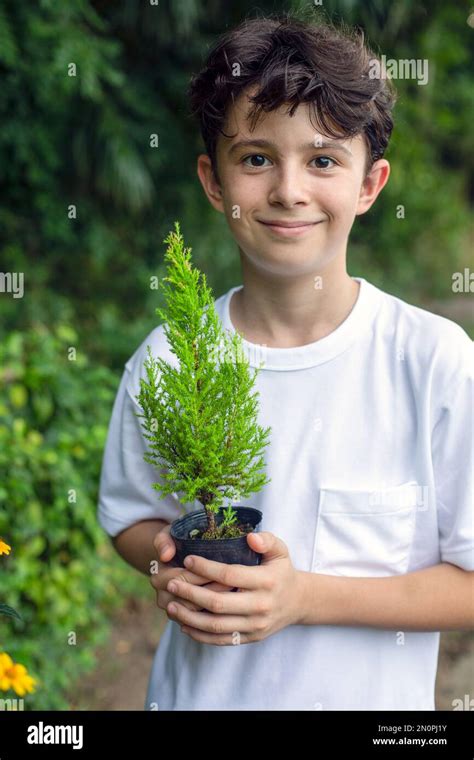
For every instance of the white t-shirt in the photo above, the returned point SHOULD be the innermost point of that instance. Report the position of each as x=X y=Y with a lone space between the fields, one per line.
x=371 y=467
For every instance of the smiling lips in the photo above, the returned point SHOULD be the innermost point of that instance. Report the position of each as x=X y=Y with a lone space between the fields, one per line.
x=289 y=229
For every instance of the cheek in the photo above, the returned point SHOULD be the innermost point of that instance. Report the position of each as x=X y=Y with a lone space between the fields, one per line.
x=338 y=196
x=340 y=202
x=241 y=200
x=245 y=192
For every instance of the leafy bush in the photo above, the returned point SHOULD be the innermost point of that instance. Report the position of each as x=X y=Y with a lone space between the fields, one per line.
x=63 y=576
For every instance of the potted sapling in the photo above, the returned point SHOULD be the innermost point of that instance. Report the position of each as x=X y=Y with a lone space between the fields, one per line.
x=200 y=418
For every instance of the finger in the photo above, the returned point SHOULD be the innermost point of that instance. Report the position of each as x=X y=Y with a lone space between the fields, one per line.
x=161 y=579
x=164 y=598
x=217 y=587
x=268 y=544
x=186 y=576
x=240 y=576
x=206 y=621
x=225 y=639
x=246 y=603
x=164 y=545
x=214 y=586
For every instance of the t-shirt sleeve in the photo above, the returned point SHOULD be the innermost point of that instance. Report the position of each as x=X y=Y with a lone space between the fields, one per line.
x=126 y=495
x=453 y=464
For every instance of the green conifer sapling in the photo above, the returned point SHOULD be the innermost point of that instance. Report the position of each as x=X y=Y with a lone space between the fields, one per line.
x=201 y=417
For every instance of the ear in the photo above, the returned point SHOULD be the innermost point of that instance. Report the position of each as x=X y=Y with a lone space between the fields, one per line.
x=371 y=186
x=209 y=182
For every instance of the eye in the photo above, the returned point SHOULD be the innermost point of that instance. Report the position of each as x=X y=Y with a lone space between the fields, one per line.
x=324 y=158
x=253 y=155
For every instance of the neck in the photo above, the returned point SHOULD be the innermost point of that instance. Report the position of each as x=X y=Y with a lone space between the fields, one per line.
x=292 y=312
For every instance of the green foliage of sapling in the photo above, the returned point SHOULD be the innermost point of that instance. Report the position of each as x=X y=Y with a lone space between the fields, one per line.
x=200 y=417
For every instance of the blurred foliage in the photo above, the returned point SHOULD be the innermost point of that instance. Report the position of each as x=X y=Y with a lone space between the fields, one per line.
x=80 y=139
x=62 y=574
x=84 y=141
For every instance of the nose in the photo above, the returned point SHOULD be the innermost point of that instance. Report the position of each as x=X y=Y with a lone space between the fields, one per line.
x=290 y=187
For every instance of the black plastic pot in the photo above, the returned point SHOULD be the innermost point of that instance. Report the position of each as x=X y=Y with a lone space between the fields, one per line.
x=232 y=551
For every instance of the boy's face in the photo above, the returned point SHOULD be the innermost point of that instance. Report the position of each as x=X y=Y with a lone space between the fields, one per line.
x=291 y=178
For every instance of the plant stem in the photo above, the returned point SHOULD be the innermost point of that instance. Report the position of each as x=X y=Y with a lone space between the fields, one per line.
x=211 y=520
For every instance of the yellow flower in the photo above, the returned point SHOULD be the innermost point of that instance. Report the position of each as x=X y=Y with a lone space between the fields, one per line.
x=14 y=676
x=4 y=548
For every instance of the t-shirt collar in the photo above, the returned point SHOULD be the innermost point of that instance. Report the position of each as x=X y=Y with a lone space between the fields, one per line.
x=357 y=323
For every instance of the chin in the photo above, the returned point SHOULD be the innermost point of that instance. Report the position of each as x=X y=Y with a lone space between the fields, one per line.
x=288 y=266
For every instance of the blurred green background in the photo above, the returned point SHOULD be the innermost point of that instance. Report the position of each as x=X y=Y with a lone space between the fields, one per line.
x=85 y=140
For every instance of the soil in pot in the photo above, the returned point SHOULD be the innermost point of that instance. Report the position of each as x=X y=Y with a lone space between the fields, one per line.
x=230 y=531
x=187 y=533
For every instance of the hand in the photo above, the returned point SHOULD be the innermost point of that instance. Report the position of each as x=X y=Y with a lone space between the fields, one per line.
x=166 y=549
x=270 y=596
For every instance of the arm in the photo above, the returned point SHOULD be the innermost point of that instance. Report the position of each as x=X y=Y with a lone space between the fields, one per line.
x=438 y=598
x=135 y=544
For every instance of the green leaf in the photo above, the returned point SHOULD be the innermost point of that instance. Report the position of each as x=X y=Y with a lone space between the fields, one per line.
x=9 y=611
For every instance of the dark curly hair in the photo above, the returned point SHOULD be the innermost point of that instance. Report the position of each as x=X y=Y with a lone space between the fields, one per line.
x=294 y=61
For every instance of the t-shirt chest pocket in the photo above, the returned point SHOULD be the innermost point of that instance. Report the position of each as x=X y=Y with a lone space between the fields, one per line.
x=364 y=533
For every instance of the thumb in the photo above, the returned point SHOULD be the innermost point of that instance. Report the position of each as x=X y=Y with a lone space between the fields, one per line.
x=167 y=551
x=268 y=544
x=165 y=545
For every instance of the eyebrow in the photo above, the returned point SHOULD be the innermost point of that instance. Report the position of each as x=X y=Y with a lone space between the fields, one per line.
x=261 y=143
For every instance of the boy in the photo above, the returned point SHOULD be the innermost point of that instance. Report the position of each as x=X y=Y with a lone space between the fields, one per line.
x=367 y=538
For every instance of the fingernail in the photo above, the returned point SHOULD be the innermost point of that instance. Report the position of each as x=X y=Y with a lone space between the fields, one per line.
x=188 y=562
x=172 y=587
x=172 y=608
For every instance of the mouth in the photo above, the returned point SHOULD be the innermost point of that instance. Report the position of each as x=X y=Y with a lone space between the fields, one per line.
x=289 y=229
